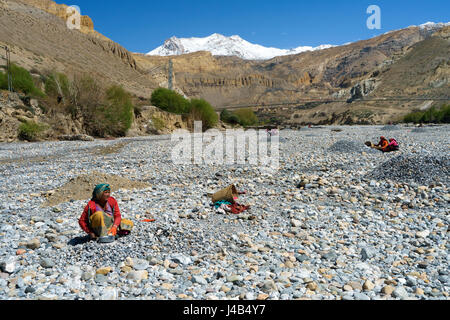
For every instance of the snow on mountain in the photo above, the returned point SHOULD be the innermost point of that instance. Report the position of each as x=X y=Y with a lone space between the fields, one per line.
x=220 y=45
x=433 y=25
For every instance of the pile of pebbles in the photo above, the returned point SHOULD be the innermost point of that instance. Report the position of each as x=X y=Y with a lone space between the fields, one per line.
x=351 y=146
x=423 y=169
x=419 y=130
x=320 y=227
x=390 y=127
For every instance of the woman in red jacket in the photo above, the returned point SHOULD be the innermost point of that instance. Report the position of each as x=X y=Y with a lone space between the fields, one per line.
x=101 y=216
x=382 y=144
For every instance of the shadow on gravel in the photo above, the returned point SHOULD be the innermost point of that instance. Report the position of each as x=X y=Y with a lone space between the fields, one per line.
x=78 y=240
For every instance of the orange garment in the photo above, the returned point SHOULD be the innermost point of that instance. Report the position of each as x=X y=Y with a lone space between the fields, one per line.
x=383 y=144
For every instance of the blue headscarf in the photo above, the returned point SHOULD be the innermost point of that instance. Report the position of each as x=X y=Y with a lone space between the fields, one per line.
x=98 y=190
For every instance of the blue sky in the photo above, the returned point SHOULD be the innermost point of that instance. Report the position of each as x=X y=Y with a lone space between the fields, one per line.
x=141 y=26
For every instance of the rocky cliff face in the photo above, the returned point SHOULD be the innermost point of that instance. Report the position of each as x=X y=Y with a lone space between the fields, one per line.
x=16 y=109
x=60 y=10
x=152 y=120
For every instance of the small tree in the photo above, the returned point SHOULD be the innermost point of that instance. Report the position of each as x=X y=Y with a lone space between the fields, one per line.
x=57 y=85
x=445 y=114
x=169 y=100
x=229 y=117
x=22 y=81
x=246 y=117
x=3 y=81
x=202 y=110
x=119 y=111
x=85 y=92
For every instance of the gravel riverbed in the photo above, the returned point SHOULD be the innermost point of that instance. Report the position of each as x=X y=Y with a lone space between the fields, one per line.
x=337 y=221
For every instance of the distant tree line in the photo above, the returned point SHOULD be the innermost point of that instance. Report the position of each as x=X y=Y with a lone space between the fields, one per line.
x=432 y=115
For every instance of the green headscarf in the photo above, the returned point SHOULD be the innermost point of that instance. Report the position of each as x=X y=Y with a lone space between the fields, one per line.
x=98 y=190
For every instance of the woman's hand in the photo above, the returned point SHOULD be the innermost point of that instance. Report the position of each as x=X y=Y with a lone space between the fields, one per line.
x=113 y=230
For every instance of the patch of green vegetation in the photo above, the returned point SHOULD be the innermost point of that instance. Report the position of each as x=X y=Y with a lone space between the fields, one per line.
x=247 y=117
x=158 y=123
x=171 y=101
x=229 y=117
x=244 y=117
x=198 y=109
x=106 y=113
x=118 y=112
x=202 y=110
x=3 y=81
x=30 y=130
x=432 y=115
x=22 y=81
x=57 y=84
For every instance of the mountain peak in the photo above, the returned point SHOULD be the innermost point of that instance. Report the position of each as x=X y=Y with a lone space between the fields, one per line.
x=221 y=45
x=434 y=25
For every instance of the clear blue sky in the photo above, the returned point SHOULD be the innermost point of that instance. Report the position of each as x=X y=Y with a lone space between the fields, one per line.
x=141 y=26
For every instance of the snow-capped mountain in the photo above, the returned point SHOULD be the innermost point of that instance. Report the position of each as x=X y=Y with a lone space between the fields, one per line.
x=220 y=45
x=433 y=25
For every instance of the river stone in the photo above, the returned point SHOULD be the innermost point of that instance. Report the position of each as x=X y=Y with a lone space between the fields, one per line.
x=47 y=263
x=33 y=244
x=367 y=253
x=423 y=234
x=181 y=259
x=360 y=296
x=140 y=264
x=138 y=275
x=199 y=280
x=8 y=265
x=400 y=292
x=109 y=294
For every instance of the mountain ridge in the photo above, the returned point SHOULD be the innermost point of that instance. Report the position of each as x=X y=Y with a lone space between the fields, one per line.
x=220 y=45
x=410 y=62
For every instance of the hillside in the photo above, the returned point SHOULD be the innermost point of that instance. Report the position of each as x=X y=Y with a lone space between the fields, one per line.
x=37 y=35
x=396 y=63
x=408 y=62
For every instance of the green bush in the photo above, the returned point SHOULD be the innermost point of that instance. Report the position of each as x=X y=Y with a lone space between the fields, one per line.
x=246 y=117
x=30 y=130
x=229 y=117
x=432 y=115
x=21 y=80
x=170 y=101
x=118 y=111
x=105 y=112
x=202 y=110
x=57 y=84
x=413 y=117
x=86 y=92
x=445 y=114
x=3 y=81
x=158 y=123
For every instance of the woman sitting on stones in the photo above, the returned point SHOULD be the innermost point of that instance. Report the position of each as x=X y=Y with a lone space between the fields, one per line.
x=101 y=216
x=382 y=144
